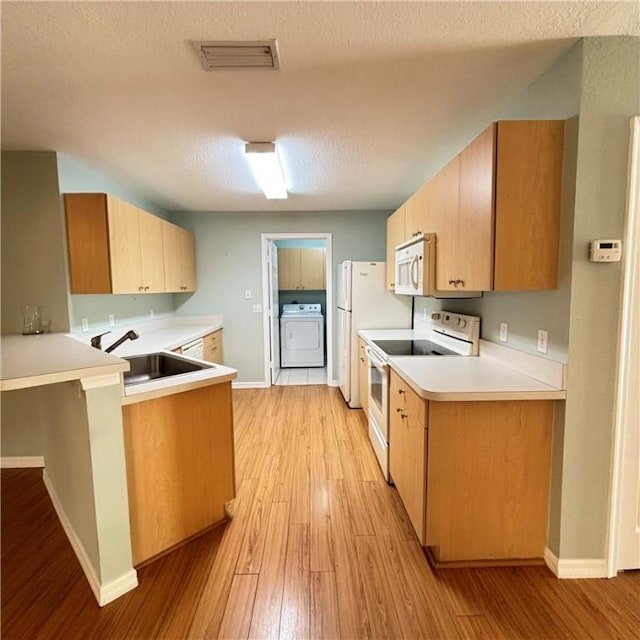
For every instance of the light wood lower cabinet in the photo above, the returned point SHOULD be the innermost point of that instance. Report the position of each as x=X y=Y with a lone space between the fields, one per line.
x=180 y=467
x=408 y=450
x=213 y=347
x=363 y=379
x=473 y=476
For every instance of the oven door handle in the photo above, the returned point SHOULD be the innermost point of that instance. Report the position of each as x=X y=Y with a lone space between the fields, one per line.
x=374 y=359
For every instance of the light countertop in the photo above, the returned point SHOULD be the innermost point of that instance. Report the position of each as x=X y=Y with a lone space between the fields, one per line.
x=162 y=334
x=469 y=378
x=498 y=373
x=32 y=361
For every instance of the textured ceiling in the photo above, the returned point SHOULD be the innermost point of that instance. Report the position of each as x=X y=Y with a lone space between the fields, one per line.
x=367 y=96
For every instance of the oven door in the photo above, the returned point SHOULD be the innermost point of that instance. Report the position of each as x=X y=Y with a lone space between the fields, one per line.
x=378 y=395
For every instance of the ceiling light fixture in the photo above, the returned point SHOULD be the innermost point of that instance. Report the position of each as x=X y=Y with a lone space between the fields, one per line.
x=266 y=168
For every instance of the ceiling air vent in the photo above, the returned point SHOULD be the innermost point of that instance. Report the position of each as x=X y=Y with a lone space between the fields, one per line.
x=216 y=56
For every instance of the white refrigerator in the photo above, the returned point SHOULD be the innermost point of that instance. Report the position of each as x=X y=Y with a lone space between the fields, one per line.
x=363 y=302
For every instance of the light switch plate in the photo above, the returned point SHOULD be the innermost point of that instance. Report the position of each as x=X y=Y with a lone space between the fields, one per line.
x=247 y=294
x=543 y=341
x=257 y=308
x=112 y=320
x=85 y=325
x=504 y=332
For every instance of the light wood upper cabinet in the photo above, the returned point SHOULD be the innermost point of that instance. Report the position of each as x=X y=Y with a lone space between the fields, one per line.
x=528 y=194
x=301 y=268
x=152 y=258
x=114 y=247
x=178 y=246
x=417 y=213
x=495 y=210
x=504 y=233
x=395 y=236
x=408 y=450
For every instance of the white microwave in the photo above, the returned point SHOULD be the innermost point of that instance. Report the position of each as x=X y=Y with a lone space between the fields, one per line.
x=416 y=270
x=414 y=266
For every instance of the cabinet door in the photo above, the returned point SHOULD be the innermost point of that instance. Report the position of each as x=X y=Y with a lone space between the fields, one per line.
x=395 y=235
x=363 y=366
x=473 y=262
x=212 y=344
x=444 y=222
x=288 y=269
x=312 y=271
x=172 y=260
x=88 y=242
x=187 y=261
x=151 y=252
x=177 y=490
x=408 y=451
x=124 y=247
x=417 y=213
x=528 y=203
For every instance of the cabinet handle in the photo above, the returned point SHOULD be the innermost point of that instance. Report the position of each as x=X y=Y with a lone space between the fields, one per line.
x=146 y=288
x=456 y=282
x=401 y=391
x=140 y=288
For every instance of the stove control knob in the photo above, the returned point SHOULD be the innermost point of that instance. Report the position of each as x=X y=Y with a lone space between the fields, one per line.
x=462 y=323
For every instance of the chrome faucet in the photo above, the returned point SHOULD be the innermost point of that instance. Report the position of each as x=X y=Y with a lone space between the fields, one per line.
x=130 y=335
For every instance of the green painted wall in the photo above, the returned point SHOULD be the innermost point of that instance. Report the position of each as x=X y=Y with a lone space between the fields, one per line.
x=33 y=272
x=228 y=254
x=76 y=176
x=610 y=98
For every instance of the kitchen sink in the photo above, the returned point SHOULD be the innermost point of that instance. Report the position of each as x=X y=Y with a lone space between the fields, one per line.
x=153 y=366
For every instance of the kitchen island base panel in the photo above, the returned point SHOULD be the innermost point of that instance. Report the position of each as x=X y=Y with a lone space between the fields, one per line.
x=180 y=467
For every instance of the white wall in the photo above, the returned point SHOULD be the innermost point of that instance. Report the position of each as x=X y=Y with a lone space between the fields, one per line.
x=228 y=255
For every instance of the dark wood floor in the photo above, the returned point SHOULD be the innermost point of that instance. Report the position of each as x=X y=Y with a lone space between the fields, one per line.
x=319 y=547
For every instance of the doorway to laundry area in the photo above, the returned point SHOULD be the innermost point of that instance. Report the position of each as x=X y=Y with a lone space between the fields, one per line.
x=297 y=272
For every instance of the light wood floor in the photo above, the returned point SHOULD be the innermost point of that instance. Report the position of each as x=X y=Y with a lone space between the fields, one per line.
x=319 y=547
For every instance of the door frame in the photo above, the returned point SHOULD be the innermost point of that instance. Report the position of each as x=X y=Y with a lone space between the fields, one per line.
x=328 y=265
x=622 y=421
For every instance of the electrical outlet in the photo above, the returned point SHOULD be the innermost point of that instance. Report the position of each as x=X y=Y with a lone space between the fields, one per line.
x=247 y=294
x=85 y=325
x=112 y=320
x=504 y=332
x=151 y=314
x=257 y=308
x=543 y=341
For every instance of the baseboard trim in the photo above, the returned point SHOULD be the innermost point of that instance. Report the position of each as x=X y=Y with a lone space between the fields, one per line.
x=250 y=385
x=21 y=462
x=575 y=568
x=104 y=593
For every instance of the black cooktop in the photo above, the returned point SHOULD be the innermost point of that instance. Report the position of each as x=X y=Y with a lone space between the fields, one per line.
x=412 y=348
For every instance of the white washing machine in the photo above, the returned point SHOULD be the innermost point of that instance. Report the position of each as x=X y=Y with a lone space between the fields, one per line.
x=301 y=335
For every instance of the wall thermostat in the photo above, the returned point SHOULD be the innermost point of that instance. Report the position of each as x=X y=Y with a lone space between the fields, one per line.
x=605 y=250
